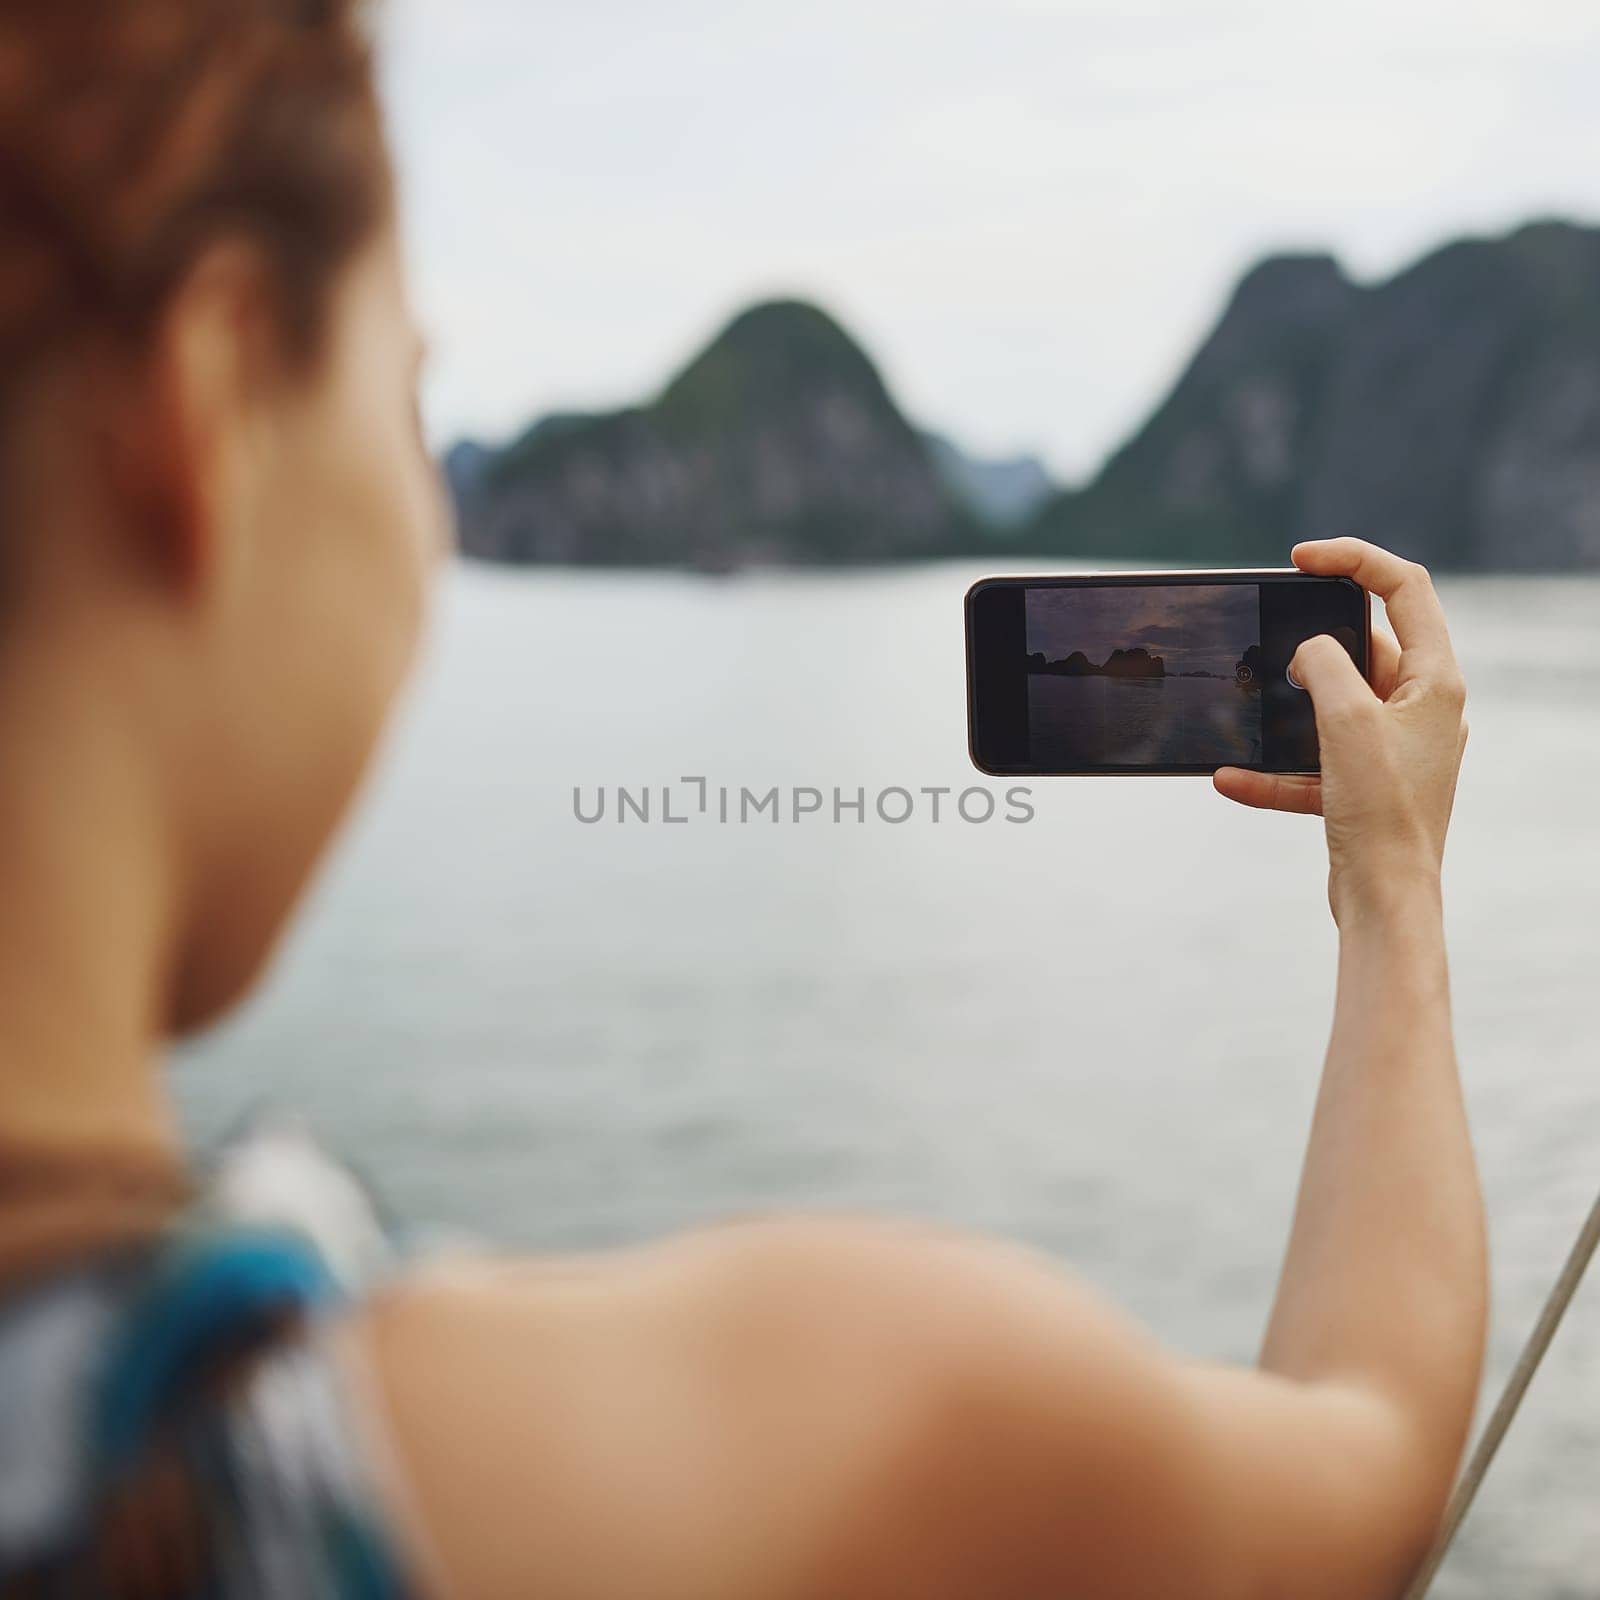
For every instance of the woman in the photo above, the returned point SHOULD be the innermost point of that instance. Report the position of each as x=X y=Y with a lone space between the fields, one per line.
x=219 y=526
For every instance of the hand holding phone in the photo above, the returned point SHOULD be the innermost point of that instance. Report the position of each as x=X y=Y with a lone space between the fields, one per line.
x=1391 y=748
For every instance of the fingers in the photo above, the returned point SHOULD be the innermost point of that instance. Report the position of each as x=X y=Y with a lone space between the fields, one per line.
x=1404 y=587
x=1384 y=667
x=1270 y=791
x=1341 y=697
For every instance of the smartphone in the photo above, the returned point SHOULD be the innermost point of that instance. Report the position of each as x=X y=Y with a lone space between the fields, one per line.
x=1167 y=673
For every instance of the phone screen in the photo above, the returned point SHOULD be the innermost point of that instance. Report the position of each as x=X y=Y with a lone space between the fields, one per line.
x=1150 y=673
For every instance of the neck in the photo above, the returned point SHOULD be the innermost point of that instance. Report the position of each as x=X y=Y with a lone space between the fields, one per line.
x=86 y=918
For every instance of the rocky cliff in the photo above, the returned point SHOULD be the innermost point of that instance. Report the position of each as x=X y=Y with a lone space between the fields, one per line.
x=1452 y=412
x=779 y=442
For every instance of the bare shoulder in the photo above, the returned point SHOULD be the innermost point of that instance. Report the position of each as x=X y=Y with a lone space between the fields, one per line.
x=829 y=1406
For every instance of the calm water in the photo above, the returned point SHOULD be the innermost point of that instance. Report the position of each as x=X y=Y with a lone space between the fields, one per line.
x=1075 y=722
x=1099 y=1031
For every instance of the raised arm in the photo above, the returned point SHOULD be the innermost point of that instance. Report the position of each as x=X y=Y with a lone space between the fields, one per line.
x=1384 y=1283
x=845 y=1408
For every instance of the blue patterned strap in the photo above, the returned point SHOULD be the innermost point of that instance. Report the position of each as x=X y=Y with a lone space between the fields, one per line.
x=209 y=1299
x=270 y=1457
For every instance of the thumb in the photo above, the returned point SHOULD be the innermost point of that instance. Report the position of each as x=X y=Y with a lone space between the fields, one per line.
x=1339 y=694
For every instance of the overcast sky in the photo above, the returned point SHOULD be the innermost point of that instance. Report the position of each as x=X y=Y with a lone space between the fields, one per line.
x=1198 y=627
x=1028 y=210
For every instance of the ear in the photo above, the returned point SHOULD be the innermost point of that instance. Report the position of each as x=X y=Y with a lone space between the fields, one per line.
x=183 y=426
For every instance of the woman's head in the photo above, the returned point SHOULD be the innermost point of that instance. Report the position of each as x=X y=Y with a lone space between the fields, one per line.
x=217 y=516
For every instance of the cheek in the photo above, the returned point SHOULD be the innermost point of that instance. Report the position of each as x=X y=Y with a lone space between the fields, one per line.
x=407 y=536
x=354 y=556
x=394 y=511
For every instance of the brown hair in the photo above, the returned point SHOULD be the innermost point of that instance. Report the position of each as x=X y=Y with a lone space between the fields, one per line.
x=133 y=133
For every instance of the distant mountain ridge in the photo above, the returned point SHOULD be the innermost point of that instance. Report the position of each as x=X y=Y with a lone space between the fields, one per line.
x=1002 y=493
x=1452 y=412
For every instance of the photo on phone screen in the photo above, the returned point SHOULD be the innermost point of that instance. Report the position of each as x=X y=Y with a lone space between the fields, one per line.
x=1150 y=674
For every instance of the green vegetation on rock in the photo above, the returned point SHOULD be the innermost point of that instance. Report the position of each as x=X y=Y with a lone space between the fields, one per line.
x=778 y=442
x=1452 y=413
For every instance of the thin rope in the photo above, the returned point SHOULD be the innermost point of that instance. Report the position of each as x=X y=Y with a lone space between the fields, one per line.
x=1544 y=1330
